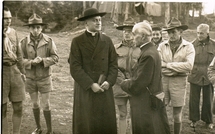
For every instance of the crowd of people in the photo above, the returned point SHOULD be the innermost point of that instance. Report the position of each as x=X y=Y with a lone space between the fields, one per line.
x=143 y=71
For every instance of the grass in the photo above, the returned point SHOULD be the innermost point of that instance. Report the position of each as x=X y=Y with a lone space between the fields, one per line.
x=62 y=94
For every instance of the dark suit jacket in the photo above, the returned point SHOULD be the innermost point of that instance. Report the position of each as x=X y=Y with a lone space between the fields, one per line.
x=147 y=73
x=93 y=113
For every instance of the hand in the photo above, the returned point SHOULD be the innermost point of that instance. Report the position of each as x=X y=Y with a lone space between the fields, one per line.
x=36 y=61
x=23 y=77
x=105 y=85
x=96 y=88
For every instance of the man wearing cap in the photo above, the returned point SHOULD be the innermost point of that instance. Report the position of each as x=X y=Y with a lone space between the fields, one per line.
x=39 y=53
x=205 y=52
x=127 y=57
x=148 y=113
x=177 y=58
x=13 y=87
x=93 y=66
x=156 y=35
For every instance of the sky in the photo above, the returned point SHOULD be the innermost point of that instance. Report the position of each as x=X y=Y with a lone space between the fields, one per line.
x=209 y=7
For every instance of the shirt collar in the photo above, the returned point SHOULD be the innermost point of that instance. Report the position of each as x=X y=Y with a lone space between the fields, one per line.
x=144 y=44
x=92 y=33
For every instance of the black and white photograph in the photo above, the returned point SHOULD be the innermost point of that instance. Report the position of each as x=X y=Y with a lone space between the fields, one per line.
x=107 y=67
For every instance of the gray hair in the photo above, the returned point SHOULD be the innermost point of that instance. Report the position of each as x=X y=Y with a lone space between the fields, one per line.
x=206 y=27
x=143 y=28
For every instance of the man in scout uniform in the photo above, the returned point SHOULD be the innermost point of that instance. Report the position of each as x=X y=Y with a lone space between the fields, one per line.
x=39 y=53
x=127 y=57
x=13 y=75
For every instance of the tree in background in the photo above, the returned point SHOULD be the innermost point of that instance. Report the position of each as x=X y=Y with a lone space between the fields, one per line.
x=60 y=12
x=63 y=12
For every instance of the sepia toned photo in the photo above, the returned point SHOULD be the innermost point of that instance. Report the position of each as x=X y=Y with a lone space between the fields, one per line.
x=108 y=67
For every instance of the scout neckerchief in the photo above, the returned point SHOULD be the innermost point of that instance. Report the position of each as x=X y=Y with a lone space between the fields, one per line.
x=35 y=40
x=174 y=45
x=8 y=46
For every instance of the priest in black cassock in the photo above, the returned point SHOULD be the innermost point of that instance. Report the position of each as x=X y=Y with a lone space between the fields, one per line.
x=93 y=65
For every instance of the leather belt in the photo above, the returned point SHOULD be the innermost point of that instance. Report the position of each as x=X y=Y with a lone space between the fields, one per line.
x=9 y=63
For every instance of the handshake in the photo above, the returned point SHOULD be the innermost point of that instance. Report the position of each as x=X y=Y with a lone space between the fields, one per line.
x=100 y=87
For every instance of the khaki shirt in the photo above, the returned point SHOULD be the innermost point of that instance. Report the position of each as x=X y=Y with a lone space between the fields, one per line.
x=181 y=63
x=46 y=49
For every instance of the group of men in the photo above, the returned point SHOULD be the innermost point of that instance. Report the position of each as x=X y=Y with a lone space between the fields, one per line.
x=26 y=66
x=149 y=72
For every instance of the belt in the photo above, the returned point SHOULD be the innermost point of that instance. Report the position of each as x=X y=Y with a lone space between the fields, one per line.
x=178 y=76
x=9 y=63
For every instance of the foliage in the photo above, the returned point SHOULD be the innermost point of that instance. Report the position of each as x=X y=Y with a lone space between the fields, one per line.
x=60 y=12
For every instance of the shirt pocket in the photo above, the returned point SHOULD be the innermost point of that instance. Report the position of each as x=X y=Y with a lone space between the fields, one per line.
x=31 y=52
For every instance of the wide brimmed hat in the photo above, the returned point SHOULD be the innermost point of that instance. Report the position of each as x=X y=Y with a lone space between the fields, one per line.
x=89 y=13
x=129 y=22
x=174 y=23
x=35 y=20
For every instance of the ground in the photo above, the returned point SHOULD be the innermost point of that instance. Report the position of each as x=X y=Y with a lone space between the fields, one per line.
x=62 y=94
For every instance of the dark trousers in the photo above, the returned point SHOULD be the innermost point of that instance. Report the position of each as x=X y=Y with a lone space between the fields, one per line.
x=207 y=94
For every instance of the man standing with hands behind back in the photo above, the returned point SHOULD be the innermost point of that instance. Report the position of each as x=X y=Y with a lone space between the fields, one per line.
x=93 y=65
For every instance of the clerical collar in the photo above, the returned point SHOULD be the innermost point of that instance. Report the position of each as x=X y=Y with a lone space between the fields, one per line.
x=144 y=44
x=92 y=33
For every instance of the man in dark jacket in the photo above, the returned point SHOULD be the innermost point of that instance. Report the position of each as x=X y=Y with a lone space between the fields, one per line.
x=93 y=65
x=205 y=51
x=148 y=113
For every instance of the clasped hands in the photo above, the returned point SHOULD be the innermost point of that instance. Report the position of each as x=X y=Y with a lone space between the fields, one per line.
x=98 y=89
x=37 y=60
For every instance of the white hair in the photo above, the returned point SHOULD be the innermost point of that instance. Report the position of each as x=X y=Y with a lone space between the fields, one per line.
x=205 y=27
x=143 y=28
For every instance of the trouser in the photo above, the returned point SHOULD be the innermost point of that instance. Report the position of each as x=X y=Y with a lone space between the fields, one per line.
x=206 y=111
